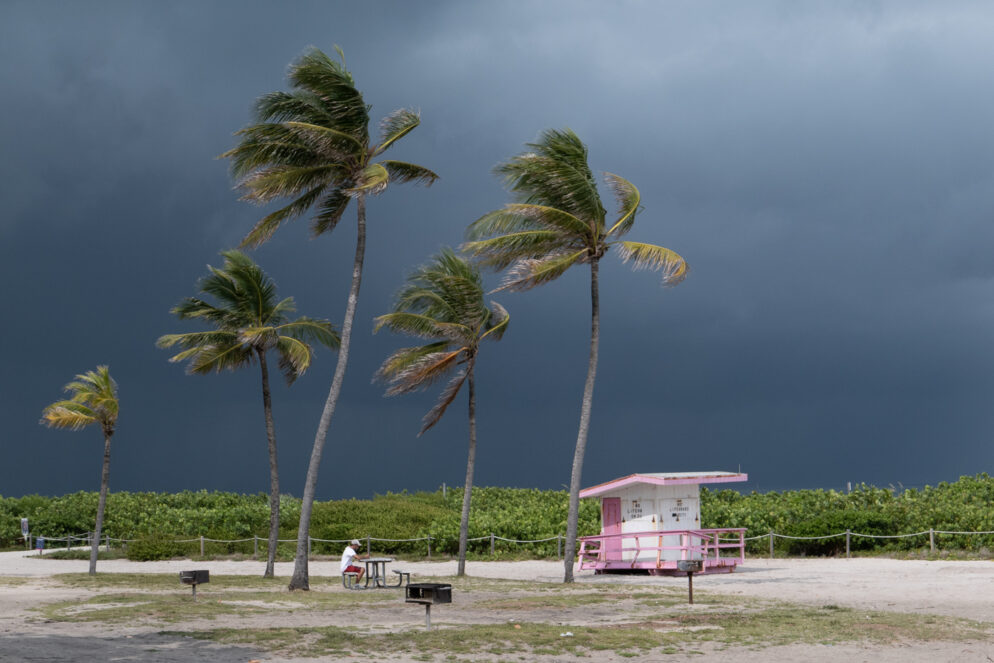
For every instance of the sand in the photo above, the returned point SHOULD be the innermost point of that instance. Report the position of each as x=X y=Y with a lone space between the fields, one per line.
x=951 y=588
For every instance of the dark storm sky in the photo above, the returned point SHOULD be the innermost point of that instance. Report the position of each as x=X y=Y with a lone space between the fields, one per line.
x=826 y=168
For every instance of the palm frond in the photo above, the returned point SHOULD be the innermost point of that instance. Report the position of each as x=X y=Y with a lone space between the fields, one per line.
x=404 y=357
x=278 y=107
x=628 y=198
x=421 y=326
x=258 y=338
x=330 y=212
x=498 y=222
x=192 y=307
x=94 y=400
x=217 y=358
x=424 y=372
x=263 y=145
x=498 y=322
x=649 y=256
x=333 y=84
x=327 y=141
x=551 y=218
x=310 y=330
x=295 y=357
x=263 y=231
x=196 y=340
x=444 y=400
x=268 y=184
x=256 y=290
x=67 y=414
x=555 y=173
x=220 y=285
x=373 y=179
x=528 y=273
x=395 y=126
x=500 y=252
x=277 y=314
x=401 y=171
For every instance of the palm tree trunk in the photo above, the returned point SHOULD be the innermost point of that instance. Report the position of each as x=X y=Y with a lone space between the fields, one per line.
x=101 y=503
x=470 y=466
x=581 y=437
x=274 y=471
x=300 y=576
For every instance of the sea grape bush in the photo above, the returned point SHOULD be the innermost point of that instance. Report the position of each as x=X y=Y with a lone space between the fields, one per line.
x=963 y=505
x=512 y=513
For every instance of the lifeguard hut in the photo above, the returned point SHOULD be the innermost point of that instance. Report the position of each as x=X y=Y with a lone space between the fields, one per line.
x=650 y=522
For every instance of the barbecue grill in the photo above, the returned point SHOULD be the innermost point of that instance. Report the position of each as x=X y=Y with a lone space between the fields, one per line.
x=194 y=578
x=428 y=594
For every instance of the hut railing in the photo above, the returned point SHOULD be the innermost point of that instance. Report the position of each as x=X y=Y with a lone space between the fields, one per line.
x=705 y=544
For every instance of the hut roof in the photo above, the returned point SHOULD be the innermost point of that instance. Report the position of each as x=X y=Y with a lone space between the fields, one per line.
x=664 y=479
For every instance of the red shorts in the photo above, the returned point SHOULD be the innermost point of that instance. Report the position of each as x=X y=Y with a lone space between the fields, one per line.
x=352 y=569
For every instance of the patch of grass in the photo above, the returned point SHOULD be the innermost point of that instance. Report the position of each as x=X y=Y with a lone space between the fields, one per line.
x=153 y=604
x=676 y=631
x=167 y=581
x=12 y=581
x=492 y=639
x=788 y=624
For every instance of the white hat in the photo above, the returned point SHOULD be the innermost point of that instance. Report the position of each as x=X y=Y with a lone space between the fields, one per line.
x=354 y=542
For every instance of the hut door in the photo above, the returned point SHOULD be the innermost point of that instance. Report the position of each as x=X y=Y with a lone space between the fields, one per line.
x=611 y=524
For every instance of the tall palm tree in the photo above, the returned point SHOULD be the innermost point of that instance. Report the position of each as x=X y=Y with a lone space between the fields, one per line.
x=443 y=303
x=557 y=222
x=312 y=145
x=93 y=401
x=248 y=321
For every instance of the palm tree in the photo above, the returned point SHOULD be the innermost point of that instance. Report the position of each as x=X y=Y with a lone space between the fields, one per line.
x=93 y=401
x=443 y=303
x=312 y=145
x=556 y=222
x=248 y=322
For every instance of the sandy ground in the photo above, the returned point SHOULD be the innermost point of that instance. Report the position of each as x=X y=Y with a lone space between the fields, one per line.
x=957 y=589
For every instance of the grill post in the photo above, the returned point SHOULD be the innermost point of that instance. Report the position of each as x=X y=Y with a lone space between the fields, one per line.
x=427 y=616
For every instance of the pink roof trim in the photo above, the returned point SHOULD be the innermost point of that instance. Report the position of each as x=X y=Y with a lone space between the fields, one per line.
x=672 y=479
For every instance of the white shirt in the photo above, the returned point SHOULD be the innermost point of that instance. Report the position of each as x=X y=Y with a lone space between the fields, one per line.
x=347 y=558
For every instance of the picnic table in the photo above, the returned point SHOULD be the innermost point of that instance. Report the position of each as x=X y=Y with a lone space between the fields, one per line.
x=376 y=570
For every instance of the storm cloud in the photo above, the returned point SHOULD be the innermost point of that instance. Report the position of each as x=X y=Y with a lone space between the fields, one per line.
x=827 y=169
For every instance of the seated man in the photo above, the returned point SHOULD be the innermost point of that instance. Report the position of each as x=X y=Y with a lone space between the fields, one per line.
x=350 y=554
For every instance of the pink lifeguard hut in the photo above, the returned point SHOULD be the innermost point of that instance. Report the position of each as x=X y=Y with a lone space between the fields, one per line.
x=650 y=522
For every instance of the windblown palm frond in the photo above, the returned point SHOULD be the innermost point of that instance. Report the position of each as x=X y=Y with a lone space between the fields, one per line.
x=248 y=319
x=93 y=400
x=442 y=302
x=656 y=258
x=311 y=145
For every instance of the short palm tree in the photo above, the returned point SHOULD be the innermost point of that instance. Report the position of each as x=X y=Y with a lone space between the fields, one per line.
x=312 y=145
x=557 y=222
x=443 y=303
x=93 y=401
x=248 y=321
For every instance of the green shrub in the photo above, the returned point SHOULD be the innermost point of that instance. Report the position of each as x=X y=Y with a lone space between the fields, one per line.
x=152 y=547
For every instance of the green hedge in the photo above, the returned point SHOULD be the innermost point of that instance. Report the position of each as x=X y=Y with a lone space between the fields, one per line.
x=512 y=513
